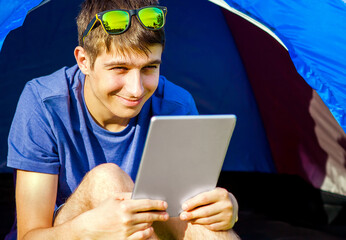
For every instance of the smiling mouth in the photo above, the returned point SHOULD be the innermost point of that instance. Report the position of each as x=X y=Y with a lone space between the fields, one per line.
x=131 y=102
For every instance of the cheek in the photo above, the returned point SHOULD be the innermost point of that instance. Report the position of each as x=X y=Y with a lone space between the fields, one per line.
x=108 y=83
x=151 y=83
x=114 y=84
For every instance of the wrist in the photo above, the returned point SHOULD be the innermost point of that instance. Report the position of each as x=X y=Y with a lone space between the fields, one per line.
x=77 y=227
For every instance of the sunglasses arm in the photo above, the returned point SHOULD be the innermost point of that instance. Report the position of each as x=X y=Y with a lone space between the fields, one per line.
x=89 y=27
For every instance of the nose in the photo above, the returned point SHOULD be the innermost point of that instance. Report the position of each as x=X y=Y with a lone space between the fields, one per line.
x=134 y=84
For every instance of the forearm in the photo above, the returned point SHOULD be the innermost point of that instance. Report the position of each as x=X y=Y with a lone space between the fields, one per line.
x=68 y=230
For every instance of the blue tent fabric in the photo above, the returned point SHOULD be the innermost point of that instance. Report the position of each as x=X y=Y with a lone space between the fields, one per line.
x=12 y=15
x=315 y=35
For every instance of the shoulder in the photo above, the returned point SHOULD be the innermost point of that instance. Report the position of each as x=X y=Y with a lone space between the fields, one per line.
x=56 y=84
x=170 y=99
x=42 y=110
x=43 y=94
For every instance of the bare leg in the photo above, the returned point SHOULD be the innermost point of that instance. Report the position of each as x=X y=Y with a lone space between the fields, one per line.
x=177 y=229
x=200 y=232
x=171 y=230
x=98 y=185
x=108 y=180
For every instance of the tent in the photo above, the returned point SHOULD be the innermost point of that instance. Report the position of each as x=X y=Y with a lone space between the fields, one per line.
x=277 y=65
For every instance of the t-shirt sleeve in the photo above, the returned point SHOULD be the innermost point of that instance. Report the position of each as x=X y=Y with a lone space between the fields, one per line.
x=31 y=142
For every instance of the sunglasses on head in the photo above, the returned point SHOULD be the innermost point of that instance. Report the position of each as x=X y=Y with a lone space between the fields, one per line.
x=117 y=21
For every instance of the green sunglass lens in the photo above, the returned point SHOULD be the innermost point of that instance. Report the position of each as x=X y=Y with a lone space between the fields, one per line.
x=115 y=21
x=152 y=18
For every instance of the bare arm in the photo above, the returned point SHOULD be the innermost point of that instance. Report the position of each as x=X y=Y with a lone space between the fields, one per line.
x=35 y=201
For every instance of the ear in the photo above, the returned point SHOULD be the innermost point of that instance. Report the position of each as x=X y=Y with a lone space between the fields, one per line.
x=82 y=59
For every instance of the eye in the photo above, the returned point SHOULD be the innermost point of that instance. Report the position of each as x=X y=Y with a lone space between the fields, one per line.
x=150 y=67
x=119 y=69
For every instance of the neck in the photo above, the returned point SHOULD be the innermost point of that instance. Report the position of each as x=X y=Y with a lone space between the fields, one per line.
x=114 y=127
x=100 y=114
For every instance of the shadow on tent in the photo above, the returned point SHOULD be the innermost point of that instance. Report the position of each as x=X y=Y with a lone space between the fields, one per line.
x=283 y=206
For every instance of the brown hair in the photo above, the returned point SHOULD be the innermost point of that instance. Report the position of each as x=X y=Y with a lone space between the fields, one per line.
x=136 y=39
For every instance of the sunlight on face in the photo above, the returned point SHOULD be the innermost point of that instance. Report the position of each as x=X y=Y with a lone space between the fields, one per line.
x=118 y=86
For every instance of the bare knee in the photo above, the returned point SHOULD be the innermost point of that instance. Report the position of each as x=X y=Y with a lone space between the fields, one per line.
x=110 y=175
x=104 y=181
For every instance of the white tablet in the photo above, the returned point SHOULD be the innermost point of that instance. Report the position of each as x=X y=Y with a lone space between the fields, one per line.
x=182 y=157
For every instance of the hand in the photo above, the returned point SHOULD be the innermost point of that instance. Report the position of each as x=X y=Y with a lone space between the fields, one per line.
x=123 y=219
x=216 y=210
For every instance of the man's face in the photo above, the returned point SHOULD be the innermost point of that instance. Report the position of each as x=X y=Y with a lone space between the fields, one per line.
x=118 y=86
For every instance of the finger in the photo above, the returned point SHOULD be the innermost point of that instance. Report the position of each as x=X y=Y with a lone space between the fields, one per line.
x=217 y=222
x=138 y=227
x=145 y=234
x=202 y=212
x=205 y=199
x=150 y=217
x=208 y=220
x=219 y=226
x=199 y=200
x=143 y=205
x=225 y=206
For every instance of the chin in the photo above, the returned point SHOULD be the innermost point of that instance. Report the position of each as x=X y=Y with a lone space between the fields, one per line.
x=128 y=114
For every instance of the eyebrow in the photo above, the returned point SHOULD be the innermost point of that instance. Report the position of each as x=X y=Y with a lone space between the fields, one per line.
x=124 y=63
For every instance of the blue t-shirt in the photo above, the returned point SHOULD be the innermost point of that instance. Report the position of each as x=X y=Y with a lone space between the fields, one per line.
x=53 y=132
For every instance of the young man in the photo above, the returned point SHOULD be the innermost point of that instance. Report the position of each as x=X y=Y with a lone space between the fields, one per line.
x=78 y=135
